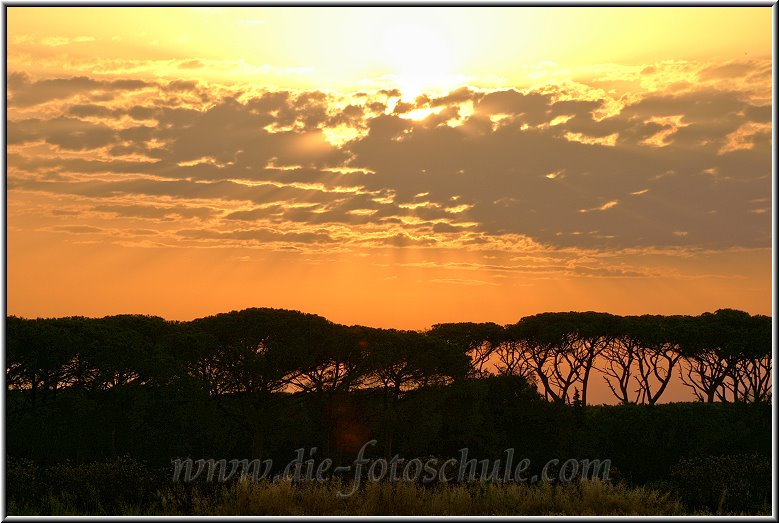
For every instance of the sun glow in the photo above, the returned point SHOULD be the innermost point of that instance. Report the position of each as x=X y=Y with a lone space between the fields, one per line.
x=419 y=59
x=174 y=145
x=421 y=114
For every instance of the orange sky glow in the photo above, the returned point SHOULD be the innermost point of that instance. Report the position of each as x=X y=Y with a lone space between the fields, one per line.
x=391 y=167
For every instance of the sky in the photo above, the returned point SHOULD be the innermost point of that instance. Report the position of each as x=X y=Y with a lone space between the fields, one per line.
x=391 y=167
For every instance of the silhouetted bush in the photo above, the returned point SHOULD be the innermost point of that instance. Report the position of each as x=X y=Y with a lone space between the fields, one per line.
x=24 y=482
x=735 y=483
x=100 y=488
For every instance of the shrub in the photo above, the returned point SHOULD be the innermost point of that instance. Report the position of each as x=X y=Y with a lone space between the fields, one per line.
x=99 y=488
x=728 y=483
x=24 y=482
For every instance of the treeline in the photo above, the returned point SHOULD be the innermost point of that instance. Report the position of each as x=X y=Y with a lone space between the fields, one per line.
x=722 y=356
x=260 y=383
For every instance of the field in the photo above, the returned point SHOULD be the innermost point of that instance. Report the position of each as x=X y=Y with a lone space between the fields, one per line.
x=126 y=487
x=399 y=499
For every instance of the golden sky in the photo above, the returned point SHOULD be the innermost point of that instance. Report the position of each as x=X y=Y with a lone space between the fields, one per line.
x=388 y=166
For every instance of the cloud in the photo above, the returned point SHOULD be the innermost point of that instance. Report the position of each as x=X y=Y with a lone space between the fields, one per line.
x=474 y=168
x=503 y=171
x=261 y=235
x=52 y=41
x=455 y=281
x=605 y=207
x=191 y=64
x=25 y=92
x=64 y=132
x=155 y=212
x=77 y=229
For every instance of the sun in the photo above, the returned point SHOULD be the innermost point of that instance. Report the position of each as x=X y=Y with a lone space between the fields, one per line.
x=419 y=59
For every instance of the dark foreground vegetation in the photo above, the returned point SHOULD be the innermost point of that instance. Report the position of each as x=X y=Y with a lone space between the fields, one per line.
x=98 y=408
x=734 y=485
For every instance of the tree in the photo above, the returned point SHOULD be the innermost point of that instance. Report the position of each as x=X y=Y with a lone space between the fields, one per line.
x=658 y=353
x=399 y=361
x=256 y=351
x=711 y=349
x=620 y=357
x=562 y=348
x=750 y=377
x=477 y=340
x=332 y=360
x=548 y=352
x=37 y=357
x=592 y=334
x=513 y=360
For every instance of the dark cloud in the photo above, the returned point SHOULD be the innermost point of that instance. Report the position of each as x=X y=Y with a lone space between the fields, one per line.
x=533 y=107
x=404 y=240
x=24 y=92
x=261 y=235
x=349 y=115
x=181 y=85
x=191 y=64
x=67 y=133
x=503 y=173
x=223 y=190
x=260 y=213
x=232 y=132
x=732 y=70
x=155 y=212
x=87 y=110
x=77 y=229
x=679 y=169
x=463 y=94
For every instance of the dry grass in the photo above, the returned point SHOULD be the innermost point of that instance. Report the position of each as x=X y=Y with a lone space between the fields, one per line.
x=406 y=499
x=399 y=499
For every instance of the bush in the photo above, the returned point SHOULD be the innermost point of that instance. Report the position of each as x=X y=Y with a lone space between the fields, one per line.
x=100 y=488
x=103 y=487
x=730 y=483
x=24 y=482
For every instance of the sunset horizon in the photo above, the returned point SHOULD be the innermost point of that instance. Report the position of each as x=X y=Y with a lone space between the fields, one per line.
x=406 y=261
x=423 y=166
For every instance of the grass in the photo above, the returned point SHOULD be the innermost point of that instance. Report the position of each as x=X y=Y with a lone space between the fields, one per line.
x=400 y=499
